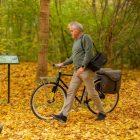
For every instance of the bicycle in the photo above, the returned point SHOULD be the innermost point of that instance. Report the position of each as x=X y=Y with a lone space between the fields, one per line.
x=48 y=98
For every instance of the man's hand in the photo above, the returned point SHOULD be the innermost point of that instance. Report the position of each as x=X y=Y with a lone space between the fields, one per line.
x=80 y=70
x=59 y=65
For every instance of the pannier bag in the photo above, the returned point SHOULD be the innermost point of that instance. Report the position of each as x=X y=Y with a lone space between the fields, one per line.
x=107 y=80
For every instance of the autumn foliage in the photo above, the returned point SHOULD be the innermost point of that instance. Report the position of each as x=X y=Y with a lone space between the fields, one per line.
x=20 y=123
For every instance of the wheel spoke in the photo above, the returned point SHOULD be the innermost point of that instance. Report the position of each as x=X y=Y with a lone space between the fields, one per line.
x=109 y=102
x=44 y=102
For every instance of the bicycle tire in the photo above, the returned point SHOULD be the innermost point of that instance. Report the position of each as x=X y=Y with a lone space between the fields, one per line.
x=109 y=102
x=44 y=104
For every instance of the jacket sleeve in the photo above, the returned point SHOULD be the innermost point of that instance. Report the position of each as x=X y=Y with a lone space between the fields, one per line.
x=68 y=61
x=88 y=48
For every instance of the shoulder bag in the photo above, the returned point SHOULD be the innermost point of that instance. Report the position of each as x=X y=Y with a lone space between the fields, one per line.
x=98 y=61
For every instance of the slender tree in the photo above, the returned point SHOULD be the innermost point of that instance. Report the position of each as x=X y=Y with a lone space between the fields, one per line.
x=63 y=45
x=43 y=38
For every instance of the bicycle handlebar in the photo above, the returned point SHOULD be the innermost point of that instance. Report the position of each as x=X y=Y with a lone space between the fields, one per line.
x=64 y=74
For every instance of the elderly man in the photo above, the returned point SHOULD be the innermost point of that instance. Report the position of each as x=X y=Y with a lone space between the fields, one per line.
x=80 y=59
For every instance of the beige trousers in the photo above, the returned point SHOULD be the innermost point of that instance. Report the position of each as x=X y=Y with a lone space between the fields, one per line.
x=87 y=78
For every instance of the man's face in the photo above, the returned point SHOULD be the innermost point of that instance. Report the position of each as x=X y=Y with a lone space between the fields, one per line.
x=74 y=32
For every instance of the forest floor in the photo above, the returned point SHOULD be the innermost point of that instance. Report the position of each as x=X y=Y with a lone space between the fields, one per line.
x=20 y=123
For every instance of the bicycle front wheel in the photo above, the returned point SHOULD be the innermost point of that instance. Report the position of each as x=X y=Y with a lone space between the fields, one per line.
x=109 y=102
x=47 y=99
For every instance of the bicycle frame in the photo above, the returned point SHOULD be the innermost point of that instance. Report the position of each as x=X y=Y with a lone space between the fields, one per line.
x=58 y=80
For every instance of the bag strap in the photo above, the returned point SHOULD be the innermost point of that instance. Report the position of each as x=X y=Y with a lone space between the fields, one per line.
x=83 y=45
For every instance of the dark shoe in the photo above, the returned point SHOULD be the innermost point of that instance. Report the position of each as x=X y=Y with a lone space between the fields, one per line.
x=60 y=118
x=100 y=117
x=1 y=127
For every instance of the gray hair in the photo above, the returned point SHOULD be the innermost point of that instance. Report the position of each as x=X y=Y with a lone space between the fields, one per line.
x=75 y=25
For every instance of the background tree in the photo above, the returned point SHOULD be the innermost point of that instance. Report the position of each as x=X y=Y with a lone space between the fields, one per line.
x=43 y=37
x=113 y=25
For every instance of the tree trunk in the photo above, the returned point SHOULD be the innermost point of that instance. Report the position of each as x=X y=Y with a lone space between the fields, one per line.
x=43 y=38
x=109 y=37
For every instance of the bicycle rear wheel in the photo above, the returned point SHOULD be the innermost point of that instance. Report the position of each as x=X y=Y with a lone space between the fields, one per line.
x=109 y=102
x=47 y=99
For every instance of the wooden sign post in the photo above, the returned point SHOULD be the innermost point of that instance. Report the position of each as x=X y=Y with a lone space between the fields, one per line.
x=9 y=59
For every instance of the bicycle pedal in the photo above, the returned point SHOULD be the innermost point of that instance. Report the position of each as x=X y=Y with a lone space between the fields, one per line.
x=86 y=103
